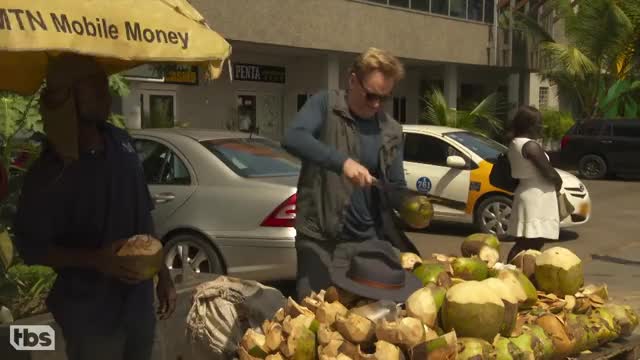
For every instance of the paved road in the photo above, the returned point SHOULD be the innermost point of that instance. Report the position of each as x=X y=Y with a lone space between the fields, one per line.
x=609 y=243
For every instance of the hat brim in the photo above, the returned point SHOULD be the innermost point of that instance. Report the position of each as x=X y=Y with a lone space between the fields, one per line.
x=411 y=284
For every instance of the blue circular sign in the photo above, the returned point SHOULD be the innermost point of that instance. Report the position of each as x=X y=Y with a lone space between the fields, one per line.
x=423 y=185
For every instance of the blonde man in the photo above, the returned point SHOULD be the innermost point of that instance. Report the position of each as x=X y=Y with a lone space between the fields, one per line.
x=347 y=144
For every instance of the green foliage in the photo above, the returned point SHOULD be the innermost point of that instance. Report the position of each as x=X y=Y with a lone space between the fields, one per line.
x=483 y=118
x=602 y=47
x=23 y=289
x=622 y=100
x=556 y=124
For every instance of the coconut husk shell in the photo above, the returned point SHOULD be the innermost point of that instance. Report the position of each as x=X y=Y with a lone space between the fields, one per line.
x=474 y=349
x=143 y=254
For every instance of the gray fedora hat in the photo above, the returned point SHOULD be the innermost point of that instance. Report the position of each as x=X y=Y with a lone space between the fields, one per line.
x=372 y=269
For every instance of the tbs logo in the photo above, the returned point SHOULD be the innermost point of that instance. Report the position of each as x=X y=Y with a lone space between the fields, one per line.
x=32 y=337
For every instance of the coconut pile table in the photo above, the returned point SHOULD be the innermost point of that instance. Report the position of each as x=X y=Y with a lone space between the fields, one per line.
x=471 y=307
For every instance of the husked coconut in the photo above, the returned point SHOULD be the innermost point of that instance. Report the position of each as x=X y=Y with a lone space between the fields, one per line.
x=559 y=271
x=409 y=260
x=144 y=255
x=355 y=328
x=384 y=351
x=473 y=310
x=254 y=344
x=407 y=331
x=293 y=309
x=485 y=246
x=510 y=304
x=276 y=356
x=525 y=261
x=327 y=312
x=422 y=305
x=520 y=286
x=326 y=334
x=300 y=345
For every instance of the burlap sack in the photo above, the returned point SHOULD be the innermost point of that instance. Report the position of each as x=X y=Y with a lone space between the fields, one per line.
x=222 y=310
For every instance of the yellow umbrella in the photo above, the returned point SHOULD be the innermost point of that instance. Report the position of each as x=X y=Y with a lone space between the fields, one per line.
x=121 y=34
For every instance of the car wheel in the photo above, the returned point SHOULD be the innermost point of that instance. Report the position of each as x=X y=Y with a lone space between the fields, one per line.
x=592 y=167
x=492 y=215
x=190 y=253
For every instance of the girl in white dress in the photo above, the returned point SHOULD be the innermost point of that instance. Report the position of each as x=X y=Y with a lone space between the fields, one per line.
x=534 y=215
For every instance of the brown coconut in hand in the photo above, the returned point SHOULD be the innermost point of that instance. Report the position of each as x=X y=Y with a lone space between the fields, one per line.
x=144 y=255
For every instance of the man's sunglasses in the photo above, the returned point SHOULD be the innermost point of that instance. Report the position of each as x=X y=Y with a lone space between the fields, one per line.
x=371 y=96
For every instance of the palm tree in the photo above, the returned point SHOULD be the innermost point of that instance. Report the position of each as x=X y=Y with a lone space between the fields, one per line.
x=595 y=65
x=483 y=118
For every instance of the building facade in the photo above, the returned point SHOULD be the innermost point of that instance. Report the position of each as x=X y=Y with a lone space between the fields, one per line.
x=286 y=50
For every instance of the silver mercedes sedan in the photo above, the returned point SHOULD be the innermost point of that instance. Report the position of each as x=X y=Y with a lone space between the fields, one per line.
x=224 y=201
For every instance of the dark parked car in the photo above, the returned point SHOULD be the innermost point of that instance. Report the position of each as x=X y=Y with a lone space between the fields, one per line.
x=602 y=147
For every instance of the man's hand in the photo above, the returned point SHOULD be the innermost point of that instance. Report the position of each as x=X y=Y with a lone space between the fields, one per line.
x=166 y=292
x=107 y=262
x=356 y=173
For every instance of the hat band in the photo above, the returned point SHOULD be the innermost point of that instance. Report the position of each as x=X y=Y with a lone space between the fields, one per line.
x=375 y=284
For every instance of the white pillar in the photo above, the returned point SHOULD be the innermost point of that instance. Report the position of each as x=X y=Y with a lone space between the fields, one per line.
x=451 y=85
x=333 y=72
x=513 y=85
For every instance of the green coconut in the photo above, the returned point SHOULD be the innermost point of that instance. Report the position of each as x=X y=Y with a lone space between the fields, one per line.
x=520 y=286
x=505 y=349
x=546 y=346
x=474 y=349
x=142 y=254
x=579 y=328
x=473 y=310
x=484 y=246
x=559 y=271
x=416 y=211
x=510 y=304
x=606 y=327
x=625 y=318
x=433 y=273
x=525 y=261
x=470 y=269
x=532 y=346
x=441 y=348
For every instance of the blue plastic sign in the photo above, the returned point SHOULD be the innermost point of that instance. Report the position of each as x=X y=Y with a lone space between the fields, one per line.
x=423 y=185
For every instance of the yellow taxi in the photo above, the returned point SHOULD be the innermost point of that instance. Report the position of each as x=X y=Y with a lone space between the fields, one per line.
x=452 y=166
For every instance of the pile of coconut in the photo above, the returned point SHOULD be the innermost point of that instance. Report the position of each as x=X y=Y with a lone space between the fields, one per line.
x=471 y=307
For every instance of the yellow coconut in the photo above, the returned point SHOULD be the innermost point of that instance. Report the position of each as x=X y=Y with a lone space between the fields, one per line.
x=144 y=255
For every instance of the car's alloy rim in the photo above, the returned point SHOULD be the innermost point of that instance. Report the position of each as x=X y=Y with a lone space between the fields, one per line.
x=591 y=168
x=495 y=218
x=190 y=254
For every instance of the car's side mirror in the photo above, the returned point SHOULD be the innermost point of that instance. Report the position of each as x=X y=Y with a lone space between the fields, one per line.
x=456 y=162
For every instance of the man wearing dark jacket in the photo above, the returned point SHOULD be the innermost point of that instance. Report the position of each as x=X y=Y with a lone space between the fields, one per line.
x=352 y=168
x=82 y=198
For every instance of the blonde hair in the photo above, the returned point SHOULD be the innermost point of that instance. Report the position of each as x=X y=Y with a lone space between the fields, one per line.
x=375 y=59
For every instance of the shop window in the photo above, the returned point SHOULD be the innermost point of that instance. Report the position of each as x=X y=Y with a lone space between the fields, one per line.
x=458 y=8
x=440 y=7
x=400 y=109
x=475 y=9
x=544 y=97
x=422 y=5
x=488 y=11
x=399 y=3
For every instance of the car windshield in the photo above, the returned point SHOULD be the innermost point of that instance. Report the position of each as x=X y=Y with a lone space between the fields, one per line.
x=254 y=157
x=484 y=147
